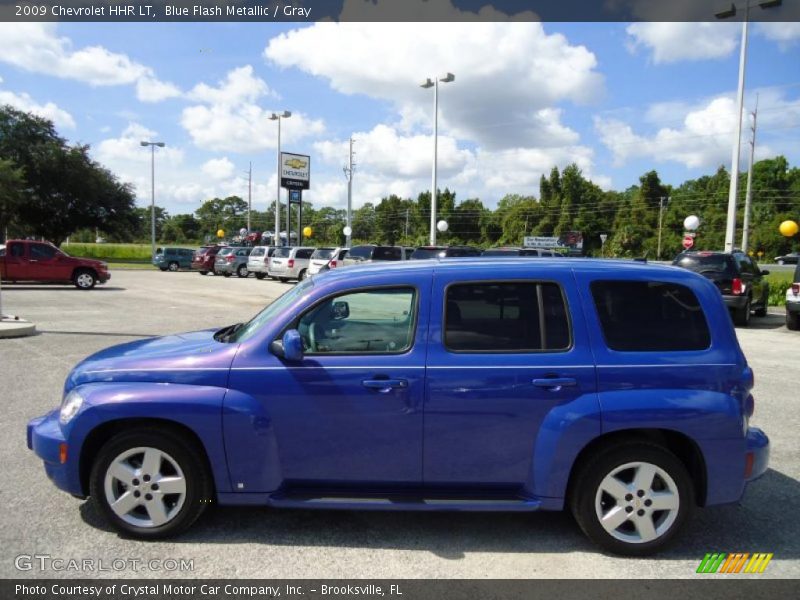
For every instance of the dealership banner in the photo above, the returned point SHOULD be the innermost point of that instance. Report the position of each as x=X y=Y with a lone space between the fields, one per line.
x=383 y=10
x=398 y=589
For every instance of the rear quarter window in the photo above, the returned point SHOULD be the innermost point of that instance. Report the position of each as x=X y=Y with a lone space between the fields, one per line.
x=650 y=316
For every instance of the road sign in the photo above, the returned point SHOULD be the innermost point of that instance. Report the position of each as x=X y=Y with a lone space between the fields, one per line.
x=688 y=241
x=295 y=196
x=295 y=171
x=603 y=238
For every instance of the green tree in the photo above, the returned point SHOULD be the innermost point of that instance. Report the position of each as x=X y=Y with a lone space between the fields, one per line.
x=12 y=190
x=64 y=188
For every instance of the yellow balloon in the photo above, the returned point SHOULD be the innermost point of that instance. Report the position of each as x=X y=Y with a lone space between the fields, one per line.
x=307 y=231
x=220 y=233
x=789 y=228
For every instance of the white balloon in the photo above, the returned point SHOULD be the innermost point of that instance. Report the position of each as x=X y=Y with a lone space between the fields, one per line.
x=347 y=230
x=442 y=226
x=691 y=222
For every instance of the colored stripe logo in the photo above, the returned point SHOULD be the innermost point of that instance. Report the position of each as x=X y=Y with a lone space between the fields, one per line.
x=737 y=562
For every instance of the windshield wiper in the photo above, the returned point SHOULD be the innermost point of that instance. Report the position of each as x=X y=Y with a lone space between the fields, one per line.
x=226 y=333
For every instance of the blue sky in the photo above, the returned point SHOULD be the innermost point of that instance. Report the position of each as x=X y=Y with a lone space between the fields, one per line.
x=616 y=98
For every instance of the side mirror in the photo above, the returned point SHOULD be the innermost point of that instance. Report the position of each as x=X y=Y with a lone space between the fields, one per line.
x=764 y=272
x=290 y=347
x=341 y=310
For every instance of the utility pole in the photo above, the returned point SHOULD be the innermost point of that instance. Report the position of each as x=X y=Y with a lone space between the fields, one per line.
x=749 y=195
x=348 y=173
x=249 y=194
x=661 y=201
x=406 y=230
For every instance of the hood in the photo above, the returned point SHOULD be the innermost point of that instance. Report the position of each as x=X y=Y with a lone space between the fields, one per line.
x=194 y=358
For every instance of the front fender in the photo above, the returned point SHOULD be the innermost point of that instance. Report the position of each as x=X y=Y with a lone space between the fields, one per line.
x=198 y=408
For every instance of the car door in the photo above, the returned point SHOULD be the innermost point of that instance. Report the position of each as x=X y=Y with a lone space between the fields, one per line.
x=42 y=263
x=17 y=261
x=350 y=412
x=508 y=370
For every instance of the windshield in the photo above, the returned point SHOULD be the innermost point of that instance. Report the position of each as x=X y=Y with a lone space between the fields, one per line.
x=282 y=252
x=361 y=252
x=796 y=274
x=499 y=252
x=271 y=311
x=257 y=252
x=225 y=251
x=323 y=253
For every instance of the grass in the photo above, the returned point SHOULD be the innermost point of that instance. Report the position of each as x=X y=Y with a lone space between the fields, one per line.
x=778 y=284
x=115 y=252
x=138 y=266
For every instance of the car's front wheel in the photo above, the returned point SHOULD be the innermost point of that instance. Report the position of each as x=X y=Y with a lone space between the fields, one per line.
x=242 y=271
x=150 y=483
x=632 y=498
x=84 y=279
x=260 y=275
x=173 y=266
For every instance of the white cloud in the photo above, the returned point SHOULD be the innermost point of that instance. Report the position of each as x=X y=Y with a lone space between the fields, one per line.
x=37 y=48
x=125 y=155
x=700 y=135
x=424 y=10
x=784 y=33
x=48 y=110
x=674 y=42
x=228 y=117
x=507 y=74
x=219 y=168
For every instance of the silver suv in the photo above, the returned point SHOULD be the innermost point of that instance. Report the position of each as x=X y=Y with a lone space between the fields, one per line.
x=258 y=261
x=290 y=263
x=232 y=260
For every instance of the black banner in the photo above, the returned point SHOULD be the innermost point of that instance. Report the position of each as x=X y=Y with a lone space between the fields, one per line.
x=395 y=10
x=705 y=587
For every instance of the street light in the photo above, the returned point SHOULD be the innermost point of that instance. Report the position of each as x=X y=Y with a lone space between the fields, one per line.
x=730 y=228
x=153 y=193
x=447 y=78
x=277 y=117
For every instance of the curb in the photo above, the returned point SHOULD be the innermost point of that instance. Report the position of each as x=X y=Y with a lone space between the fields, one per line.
x=12 y=328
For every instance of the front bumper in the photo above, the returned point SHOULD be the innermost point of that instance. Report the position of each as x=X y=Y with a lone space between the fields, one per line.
x=758 y=447
x=45 y=438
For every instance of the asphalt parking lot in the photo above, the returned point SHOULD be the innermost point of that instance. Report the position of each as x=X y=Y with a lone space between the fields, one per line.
x=263 y=543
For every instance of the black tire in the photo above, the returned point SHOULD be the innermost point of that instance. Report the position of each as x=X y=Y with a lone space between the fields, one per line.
x=199 y=488
x=741 y=316
x=225 y=274
x=162 y=269
x=84 y=279
x=302 y=275
x=283 y=279
x=792 y=321
x=586 y=482
x=173 y=266
x=203 y=272
x=242 y=271
x=260 y=275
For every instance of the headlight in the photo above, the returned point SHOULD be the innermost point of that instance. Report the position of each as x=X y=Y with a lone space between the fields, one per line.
x=70 y=406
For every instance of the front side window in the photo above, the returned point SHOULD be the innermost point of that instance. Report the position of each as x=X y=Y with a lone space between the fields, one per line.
x=379 y=321
x=506 y=317
x=650 y=316
x=42 y=252
x=304 y=254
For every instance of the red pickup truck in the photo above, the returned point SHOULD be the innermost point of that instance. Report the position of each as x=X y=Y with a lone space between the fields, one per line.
x=26 y=260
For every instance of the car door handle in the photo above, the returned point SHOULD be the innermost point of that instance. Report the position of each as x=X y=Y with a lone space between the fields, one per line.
x=554 y=384
x=384 y=386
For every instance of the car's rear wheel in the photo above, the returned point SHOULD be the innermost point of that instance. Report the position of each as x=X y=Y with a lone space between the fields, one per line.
x=203 y=272
x=173 y=266
x=741 y=316
x=84 y=279
x=302 y=275
x=632 y=498
x=226 y=274
x=792 y=321
x=242 y=271
x=150 y=483
x=260 y=275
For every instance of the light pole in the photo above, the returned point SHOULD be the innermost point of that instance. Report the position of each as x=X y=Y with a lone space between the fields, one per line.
x=249 y=194
x=447 y=78
x=730 y=228
x=661 y=201
x=277 y=117
x=153 y=194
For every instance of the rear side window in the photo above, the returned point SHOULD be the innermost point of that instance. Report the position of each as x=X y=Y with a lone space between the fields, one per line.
x=362 y=252
x=650 y=316
x=387 y=253
x=506 y=317
x=42 y=252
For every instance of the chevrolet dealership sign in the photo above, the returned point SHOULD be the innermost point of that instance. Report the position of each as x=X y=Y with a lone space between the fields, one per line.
x=295 y=171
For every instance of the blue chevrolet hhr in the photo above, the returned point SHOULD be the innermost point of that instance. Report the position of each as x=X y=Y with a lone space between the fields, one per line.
x=616 y=389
